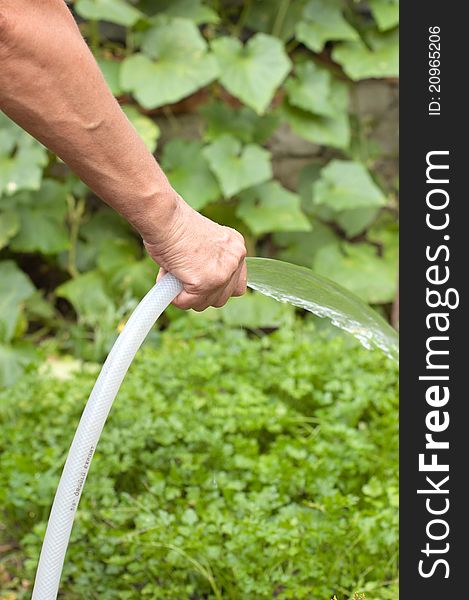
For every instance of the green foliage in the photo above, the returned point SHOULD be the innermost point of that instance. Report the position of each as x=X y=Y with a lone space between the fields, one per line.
x=15 y=289
x=246 y=73
x=173 y=64
x=270 y=207
x=252 y=72
x=231 y=467
x=346 y=185
x=21 y=159
x=41 y=217
x=377 y=56
x=189 y=173
x=359 y=268
x=145 y=127
x=115 y=11
x=323 y=20
x=235 y=166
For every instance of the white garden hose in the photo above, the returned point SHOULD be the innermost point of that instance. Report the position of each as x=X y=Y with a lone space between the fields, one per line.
x=89 y=429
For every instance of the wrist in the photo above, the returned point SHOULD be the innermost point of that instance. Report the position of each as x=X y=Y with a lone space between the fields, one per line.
x=157 y=215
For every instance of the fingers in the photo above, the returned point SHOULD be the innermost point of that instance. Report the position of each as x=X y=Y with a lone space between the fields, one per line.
x=217 y=298
x=241 y=284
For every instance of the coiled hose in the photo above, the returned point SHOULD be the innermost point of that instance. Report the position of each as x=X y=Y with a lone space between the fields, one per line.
x=86 y=438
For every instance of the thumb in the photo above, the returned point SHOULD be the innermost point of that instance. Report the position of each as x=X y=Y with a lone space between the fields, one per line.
x=161 y=273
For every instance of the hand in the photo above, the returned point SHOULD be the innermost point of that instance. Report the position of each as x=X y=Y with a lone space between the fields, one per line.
x=206 y=257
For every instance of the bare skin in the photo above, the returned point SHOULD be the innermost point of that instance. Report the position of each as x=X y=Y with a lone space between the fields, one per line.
x=51 y=86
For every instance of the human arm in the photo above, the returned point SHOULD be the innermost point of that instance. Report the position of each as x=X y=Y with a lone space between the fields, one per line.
x=51 y=86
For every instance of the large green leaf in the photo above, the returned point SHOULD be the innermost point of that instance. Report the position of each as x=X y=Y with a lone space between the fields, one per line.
x=42 y=219
x=326 y=131
x=9 y=225
x=90 y=296
x=314 y=90
x=323 y=21
x=358 y=268
x=136 y=278
x=270 y=207
x=116 y=254
x=117 y=261
x=237 y=167
x=174 y=63
x=379 y=58
x=189 y=173
x=385 y=13
x=317 y=92
x=104 y=227
x=345 y=185
x=147 y=129
x=252 y=72
x=242 y=123
x=15 y=288
x=22 y=158
x=114 y=11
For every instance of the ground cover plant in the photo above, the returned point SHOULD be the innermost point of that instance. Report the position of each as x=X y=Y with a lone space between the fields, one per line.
x=213 y=87
x=232 y=466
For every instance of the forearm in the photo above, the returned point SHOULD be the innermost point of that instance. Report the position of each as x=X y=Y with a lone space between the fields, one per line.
x=51 y=86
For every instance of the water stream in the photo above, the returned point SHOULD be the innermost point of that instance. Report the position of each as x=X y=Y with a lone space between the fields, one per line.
x=303 y=288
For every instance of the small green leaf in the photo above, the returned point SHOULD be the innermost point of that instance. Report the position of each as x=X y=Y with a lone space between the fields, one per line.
x=189 y=517
x=346 y=185
x=113 y=11
x=331 y=129
x=252 y=72
x=9 y=225
x=174 y=64
x=147 y=129
x=313 y=89
x=385 y=13
x=361 y=62
x=301 y=248
x=22 y=158
x=356 y=220
x=358 y=268
x=323 y=21
x=242 y=123
x=42 y=219
x=373 y=488
x=269 y=17
x=13 y=360
x=326 y=131
x=111 y=72
x=237 y=167
x=194 y=10
x=270 y=207
x=189 y=173
x=15 y=288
